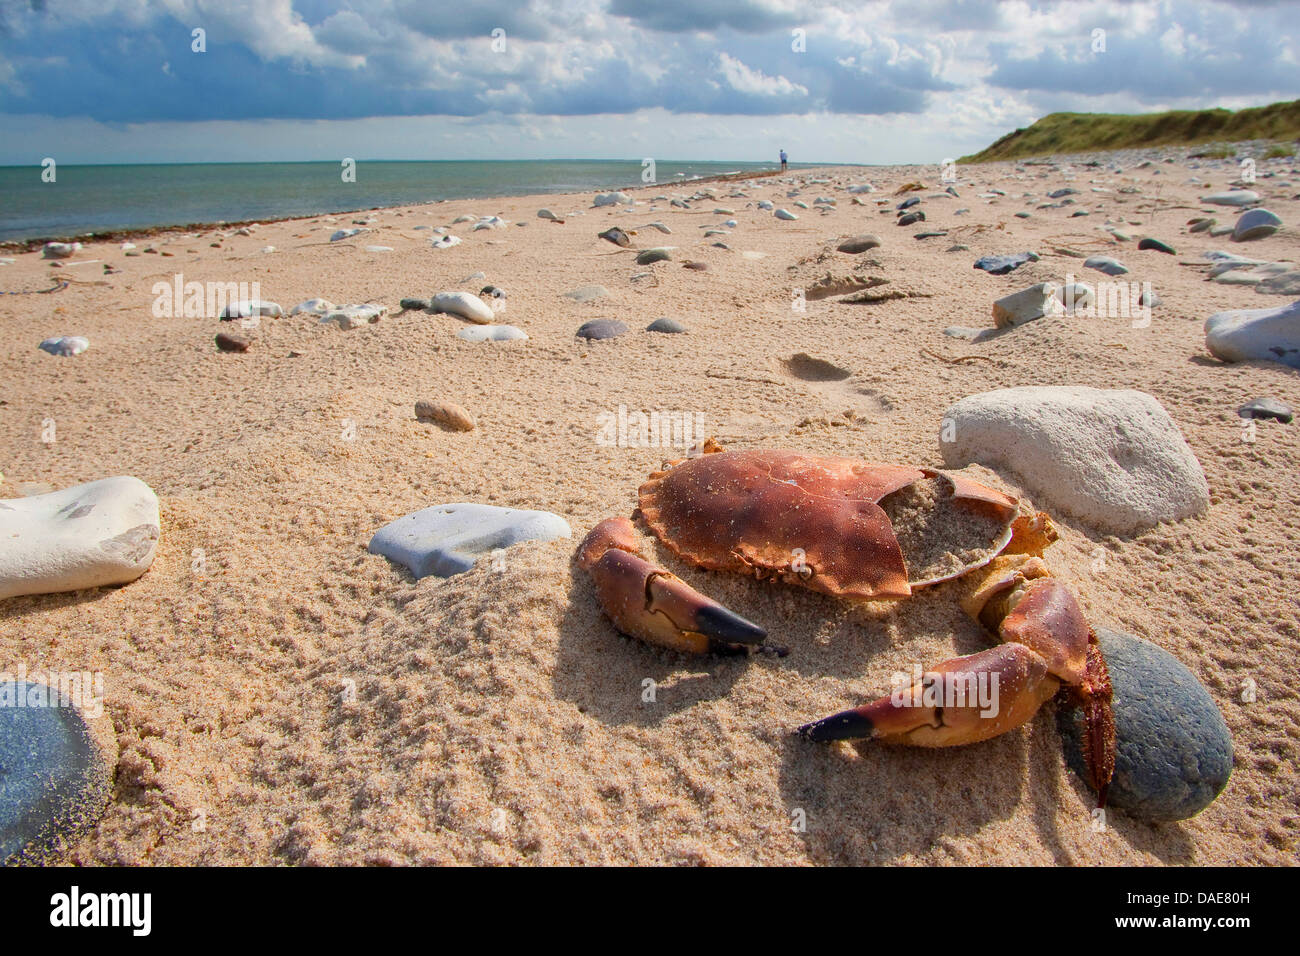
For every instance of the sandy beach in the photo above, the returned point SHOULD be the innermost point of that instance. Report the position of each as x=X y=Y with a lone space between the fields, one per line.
x=282 y=696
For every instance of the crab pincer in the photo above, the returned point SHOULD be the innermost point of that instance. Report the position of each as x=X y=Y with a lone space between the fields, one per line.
x=653 y=604
x=1047 y=645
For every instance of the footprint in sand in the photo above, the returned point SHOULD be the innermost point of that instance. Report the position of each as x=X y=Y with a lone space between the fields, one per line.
x=835 y=384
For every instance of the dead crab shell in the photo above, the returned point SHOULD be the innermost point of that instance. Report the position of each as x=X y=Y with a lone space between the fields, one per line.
x=750 y=511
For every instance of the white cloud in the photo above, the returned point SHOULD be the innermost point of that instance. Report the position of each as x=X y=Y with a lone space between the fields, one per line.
x=745 y=80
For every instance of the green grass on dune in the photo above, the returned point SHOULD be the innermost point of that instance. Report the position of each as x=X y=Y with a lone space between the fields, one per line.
x=1090 y=132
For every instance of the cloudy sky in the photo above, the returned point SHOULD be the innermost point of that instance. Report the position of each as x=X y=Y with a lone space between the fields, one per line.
x=830 y=80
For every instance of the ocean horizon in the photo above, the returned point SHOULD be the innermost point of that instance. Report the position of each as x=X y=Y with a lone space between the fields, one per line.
x=110 y=197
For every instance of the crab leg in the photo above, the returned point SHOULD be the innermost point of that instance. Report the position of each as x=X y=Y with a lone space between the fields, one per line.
x=1046 y=643
x=648 y=602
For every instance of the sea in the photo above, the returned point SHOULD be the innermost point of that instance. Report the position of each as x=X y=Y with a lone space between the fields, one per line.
x=103 y=198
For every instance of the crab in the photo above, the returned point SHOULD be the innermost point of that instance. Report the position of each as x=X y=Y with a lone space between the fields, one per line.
x=864 y=531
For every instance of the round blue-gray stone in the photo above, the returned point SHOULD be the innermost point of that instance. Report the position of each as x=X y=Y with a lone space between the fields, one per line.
x=1173 y=749
x=55 y=772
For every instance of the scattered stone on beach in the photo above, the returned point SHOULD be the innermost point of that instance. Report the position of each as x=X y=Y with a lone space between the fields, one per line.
x=446 y=539
x=65 y=345
x=1243 y=335
x=313 y=307
x=466 y=218
x=464 y=304
x=1001 y=265
x=414 y=304
x=648 y=256
x=601 y=329
x=658 y=225
x=342 y=234
x=491 y=333
x=247 y=308
x=1285 y=283
x=1233 y=197
x=86 y=536
x=60 y=250
x=1062 y=193
x=1202 y=225
x=547 y=214
x=1267 y=408
x=911 y=218
x=57 y=759
x=1255 y=224
x=587 y=293
x=450 y=414
x=858 y=244
x=785 y=214
x=766 y=204
x=1166 y=769
x=671 y=326
x=445 y=242
x=611 y=199
x=490 y=222
x=1025 y=305
x=696 y=266
x=932 y=234
x=1110 y=457
x=1111 y=267
x=1157 y=245
x=232 y=343
x=1045 y=298
x=908 y=203
x=616 y=236
x=378 y=248
x=354 y=316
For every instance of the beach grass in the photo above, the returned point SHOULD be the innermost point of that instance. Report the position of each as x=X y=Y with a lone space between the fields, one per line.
x=1062 y=133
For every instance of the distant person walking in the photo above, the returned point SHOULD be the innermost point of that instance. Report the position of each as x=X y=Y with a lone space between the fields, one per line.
x=784 y=160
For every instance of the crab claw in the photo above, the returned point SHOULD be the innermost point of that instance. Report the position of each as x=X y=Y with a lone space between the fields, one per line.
x=650 y=603
x=962 y=701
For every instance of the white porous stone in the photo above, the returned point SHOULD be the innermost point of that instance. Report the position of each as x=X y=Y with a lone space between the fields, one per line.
x=1110 y=457
x=86 y=536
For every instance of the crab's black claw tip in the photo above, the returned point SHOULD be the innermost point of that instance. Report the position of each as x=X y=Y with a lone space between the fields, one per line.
x=726 y=627
x=846 y=725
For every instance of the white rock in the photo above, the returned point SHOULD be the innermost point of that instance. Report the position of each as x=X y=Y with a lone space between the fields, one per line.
x=313 y=307
x=245 y=308
x=490 y=222
x=1233 y=197
x=445 y=242
x=785 y=214
x=377 y=248
x=86 y=536
x=464 y=304
x=491 y=333
x=61 y=250
x=1243 y=335
x=1110 y=457
x=345 y=234
x=611 y=199
x=352 y=316
x=446 y=539
x=66 y=345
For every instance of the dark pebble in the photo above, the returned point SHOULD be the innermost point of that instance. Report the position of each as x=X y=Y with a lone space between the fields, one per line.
x=1267 y=408
x=1173 y=749
x=232 y=343
x=601 y=329
x=56 y=774
x=1157 y=245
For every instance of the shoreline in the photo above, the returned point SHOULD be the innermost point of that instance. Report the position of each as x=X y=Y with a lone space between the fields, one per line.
x=146 y=232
